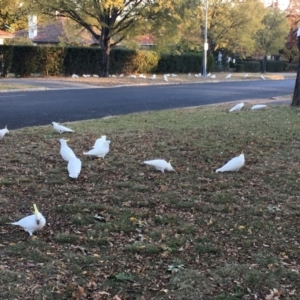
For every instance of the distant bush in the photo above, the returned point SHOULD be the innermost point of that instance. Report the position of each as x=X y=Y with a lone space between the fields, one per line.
x=25 y=60
x=290 y=67
x=239 y=68
x=6 y=55
x=275 y=66
x=180 y=63
x=252 y=66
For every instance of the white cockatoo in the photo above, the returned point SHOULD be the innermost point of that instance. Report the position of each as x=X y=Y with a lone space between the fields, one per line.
x=262 y=77
x=99 y=141
x=33 y=222
x=246 y=75
x=142 y=76
x=3 y=132
x=237 y=107
x=132 y=76
x=258 y=106
x=212 y=76
x=173 y=75
x=228 y=76
x=96 y=76
x=65 y=151
x=75 y=76
x=60 y=128
x=233 y=165
x=153 y=77
x=159 y=164
x=100 y=151
x=165 y=78
x=74 y=167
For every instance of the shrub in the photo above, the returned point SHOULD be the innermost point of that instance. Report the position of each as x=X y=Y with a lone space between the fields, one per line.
x=275 y=66
x=290 y=67
x=25 y=60
x=184 y=63
x=252 y=66
x=239 y=68
x=6 y=54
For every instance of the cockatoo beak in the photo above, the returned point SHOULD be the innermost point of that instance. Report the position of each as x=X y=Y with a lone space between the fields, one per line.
x=67 y=140
x=5 y=126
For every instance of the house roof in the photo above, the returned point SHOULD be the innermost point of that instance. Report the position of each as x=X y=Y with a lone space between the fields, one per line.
x=56 y=31
x=6 y=35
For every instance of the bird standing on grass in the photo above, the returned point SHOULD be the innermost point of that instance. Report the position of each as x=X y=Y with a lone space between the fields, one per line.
x=100 y=149
x=3 y=132
x=237 y=107
x=258 y=106
x=74 y=167
x=99 y=141
x=60 y=128
x=33 y=222
x=233 y=165
x=65 y=151
x=160 y=165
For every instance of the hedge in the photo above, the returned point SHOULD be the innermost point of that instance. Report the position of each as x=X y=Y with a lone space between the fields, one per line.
x=239 y=68
x=275 y=66
x=252 y=66
x=53 y=61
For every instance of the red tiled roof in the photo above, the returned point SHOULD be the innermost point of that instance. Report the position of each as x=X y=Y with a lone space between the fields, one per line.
x=52 y=33
x=6 y=35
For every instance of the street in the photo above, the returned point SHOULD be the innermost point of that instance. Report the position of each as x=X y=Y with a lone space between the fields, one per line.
x=32 y=108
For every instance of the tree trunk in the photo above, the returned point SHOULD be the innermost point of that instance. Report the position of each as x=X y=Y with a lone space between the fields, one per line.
x=296 y=95
x=264 y=64
x=104 y=67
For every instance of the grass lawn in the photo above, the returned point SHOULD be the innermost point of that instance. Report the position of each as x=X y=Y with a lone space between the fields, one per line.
x=9 y=86
x=125 y=231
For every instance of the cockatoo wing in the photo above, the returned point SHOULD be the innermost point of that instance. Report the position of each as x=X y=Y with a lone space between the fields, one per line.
x=60 y=128
x=30 y=224
x=159 y=164
x=99 y=142
x=66 y=152
x=233 y=165
x=258 y=106
x=74 y=167
x=237 y=107
x=99 y=151
x=3 y=132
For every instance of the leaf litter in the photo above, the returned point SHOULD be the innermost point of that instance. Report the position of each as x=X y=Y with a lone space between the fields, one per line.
x=125 y=231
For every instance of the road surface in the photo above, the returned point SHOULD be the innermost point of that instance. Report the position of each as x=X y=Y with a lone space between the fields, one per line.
x=65 y=103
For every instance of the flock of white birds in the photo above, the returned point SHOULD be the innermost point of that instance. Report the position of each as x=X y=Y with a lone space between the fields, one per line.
x=165 y=76
x=100 y=149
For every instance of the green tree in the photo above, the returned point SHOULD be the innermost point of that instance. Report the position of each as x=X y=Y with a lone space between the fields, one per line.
x=271 y=38
x=232 y=22
x=13 y=15
x=108 y=21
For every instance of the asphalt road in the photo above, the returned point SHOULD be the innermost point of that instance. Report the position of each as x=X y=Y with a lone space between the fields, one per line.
x=64 y=103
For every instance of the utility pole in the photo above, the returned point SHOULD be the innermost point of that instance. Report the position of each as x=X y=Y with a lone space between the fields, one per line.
x=205 y=42
x=296 y=95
